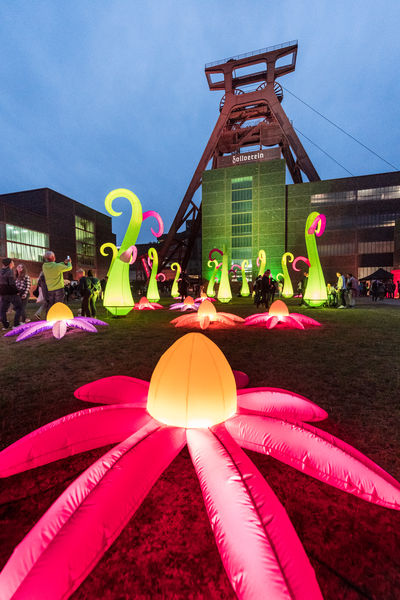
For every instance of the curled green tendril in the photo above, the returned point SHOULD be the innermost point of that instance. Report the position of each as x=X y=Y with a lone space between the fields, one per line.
x=174 y=290
x=152 y=289
x=244 y=290
x=315 y=294
x=210 y=288
x=262 y=257
x=118 y=296
x=224 y=290
x=104 y=252
x=287 y=291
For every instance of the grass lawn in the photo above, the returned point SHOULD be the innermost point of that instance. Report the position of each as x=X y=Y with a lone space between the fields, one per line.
x=349 y=366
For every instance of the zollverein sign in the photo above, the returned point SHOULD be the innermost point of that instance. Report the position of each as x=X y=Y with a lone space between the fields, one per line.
x=242 y=158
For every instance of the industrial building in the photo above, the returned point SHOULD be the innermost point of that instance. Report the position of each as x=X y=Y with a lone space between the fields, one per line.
x=250 y=207
x=34 y=221
x=247 y=204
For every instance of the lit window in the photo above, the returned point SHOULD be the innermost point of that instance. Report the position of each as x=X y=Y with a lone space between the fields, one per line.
x=242 y=217
x=26 y=244
x=85 y=241
x=382 y=247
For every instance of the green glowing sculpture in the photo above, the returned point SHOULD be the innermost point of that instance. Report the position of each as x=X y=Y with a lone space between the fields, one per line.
x=224 y=290
x=174 y=290
x=244 y=290
x=152 y=288
x=315 y=294
x=117 y=295
x=287 y=291
x=210 y=288
x=261 y=262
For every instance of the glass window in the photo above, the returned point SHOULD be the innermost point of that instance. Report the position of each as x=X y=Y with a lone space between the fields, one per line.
x=85 y=241
x=26 y=244
x=376 y=247
x=336 y=249
x=242 y=217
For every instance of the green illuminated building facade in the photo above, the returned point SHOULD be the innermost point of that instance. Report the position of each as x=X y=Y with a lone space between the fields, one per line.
x=243 y=207
x=248 y=207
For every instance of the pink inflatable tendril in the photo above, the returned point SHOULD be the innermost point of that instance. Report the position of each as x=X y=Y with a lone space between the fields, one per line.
x=212 y=252
x=153 y=213
x=129 y=255
x=160 y=277
x=303 y=258
x=318 y=226
x=145 y=267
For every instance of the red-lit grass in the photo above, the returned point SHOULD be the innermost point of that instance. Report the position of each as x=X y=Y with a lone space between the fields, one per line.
x=349 y=366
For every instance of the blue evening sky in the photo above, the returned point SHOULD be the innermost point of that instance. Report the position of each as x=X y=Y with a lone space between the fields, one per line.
x=99 y=94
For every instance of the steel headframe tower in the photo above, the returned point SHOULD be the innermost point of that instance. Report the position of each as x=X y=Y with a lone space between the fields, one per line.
x=250 y=114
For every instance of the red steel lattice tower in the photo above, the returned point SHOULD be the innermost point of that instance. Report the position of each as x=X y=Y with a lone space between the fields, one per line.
x=250 y=115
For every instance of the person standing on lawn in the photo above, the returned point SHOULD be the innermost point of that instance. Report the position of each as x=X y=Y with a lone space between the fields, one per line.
x=341 y=290
x=9 y=294
x=352 y=290
x=53 y=275
x=85 y=290
x=23 y=284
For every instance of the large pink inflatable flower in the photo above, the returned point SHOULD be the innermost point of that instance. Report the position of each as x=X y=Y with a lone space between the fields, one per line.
x=191 y=399
x=278 y=314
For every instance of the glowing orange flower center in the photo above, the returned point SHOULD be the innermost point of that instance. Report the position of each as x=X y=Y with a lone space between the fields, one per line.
x=59 y=312
x=143 y=301
x=188 y=300
x=192 y=384
x=207 y=309
x=278 y=309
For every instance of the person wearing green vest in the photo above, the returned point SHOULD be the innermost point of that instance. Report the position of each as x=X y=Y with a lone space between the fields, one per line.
x=53 y=274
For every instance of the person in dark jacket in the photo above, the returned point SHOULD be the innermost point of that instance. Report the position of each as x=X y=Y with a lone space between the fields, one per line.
x=9 y=294
x=257 y=291
x=85 y=290
x=268 y=289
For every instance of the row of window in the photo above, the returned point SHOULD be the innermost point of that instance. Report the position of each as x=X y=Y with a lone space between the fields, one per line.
x=350 y=248
x=85 y=241
x=242 y=216
x=246 y=206
x=25 y=252
x=26 y=236
x=241 y=229
x=239 y=254
x=239 y=195
x=240 y=183
x=382 y=193
x=84 y=224
x=362 y=221
x=375 y=247
x=26 y=244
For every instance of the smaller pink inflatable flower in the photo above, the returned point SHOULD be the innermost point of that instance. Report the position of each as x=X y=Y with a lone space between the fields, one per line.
x=279 y=315
x=206 y=315
x=203 y=297
x=145 y=304
x=187 y=304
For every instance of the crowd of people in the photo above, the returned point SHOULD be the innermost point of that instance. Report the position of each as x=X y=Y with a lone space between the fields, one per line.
x=15 y=289
x=52 y=287
x=347 y=288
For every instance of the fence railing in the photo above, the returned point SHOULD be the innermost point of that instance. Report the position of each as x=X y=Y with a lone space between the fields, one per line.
x=254 y=53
